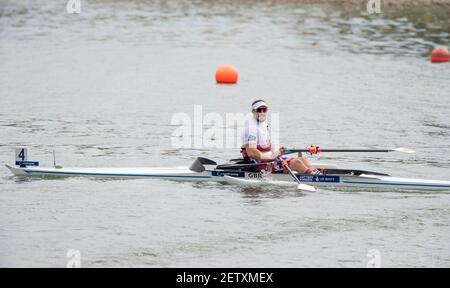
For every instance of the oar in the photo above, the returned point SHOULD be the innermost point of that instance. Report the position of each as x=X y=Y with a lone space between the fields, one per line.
x=300 y=185
x=318 y=150
x=249 y=165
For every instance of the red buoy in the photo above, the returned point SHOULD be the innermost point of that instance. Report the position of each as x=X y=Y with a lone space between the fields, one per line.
x=440 y=55
x=226 y=74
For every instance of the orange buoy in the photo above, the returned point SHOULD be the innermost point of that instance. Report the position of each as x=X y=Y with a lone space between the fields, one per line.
x=226 y=74
x=440 y=55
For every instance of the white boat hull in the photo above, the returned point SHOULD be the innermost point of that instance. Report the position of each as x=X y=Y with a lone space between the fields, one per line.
x=237 y=177
x=177 y=173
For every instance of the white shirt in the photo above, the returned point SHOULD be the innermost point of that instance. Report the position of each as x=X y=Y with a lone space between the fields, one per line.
x=256 y=133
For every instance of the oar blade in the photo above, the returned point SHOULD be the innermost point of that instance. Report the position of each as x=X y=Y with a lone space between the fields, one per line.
x=405 y=150
x=305 y=187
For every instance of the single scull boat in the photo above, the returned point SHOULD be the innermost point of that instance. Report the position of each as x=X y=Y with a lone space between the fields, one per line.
x=241 y=174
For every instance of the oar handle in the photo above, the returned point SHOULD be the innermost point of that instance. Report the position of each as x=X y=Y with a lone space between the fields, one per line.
x=244 y=165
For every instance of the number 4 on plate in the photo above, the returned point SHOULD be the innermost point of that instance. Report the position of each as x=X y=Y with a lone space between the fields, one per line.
x=21 y=154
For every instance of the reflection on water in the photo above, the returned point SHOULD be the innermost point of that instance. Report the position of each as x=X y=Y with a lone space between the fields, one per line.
x=256 y=194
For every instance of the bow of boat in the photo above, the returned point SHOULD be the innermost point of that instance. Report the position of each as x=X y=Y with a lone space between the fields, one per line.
x=16 y=171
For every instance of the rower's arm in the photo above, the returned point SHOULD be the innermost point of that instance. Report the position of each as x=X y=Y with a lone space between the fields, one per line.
x=254 y=153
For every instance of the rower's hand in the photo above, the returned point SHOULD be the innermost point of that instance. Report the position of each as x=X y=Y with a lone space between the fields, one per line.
x=278 y=153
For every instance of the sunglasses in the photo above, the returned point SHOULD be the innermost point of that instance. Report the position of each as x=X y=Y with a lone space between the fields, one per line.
x=262 y=109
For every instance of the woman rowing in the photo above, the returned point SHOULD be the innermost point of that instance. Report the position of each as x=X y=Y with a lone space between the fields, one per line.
x=257 y=146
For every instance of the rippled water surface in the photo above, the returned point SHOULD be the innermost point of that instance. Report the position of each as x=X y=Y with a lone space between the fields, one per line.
x=100 y=88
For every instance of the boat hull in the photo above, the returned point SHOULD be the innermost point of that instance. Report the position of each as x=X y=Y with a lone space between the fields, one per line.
x=178 y=173
x=234 y=177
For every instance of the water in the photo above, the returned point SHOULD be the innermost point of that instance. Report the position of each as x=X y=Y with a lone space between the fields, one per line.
x=100 y=88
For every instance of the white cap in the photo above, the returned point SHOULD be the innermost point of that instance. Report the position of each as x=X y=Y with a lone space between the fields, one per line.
x=258 y=104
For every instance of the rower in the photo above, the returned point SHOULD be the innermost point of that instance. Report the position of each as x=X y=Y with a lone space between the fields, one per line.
x=257 y=146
